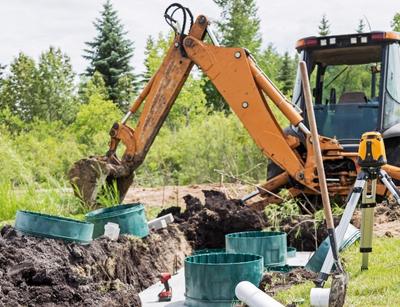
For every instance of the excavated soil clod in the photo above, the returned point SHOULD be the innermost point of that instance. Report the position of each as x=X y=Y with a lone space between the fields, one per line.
x=39 y=272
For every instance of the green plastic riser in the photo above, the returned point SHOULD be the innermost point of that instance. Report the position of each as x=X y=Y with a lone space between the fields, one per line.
x=55 y=227
x=269 y=244
x=131 y=219
x=210 y=279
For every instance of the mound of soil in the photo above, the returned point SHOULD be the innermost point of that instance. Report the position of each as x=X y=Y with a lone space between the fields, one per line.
x=273 y=282
x=304 y=233
x=40 y=272
x=205 y=226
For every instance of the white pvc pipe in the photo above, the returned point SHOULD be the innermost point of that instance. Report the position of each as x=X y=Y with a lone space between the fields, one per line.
x=319 y=297
x=254 y=297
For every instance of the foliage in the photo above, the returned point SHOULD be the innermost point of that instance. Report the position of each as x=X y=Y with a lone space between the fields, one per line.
x=191 y=101
x=279 y=212
x=240 y=25
x=324 y=26
x=109 y=54
x=93 y=122
x=149 y=50
x=286 y=74
x=270 y=62
x=40 y=91
x=94 y=85
x=192 y=153
x=53 y=200
x=396 y=22
x=47 y=149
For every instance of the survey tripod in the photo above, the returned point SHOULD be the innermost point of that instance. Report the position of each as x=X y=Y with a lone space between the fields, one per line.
x=371 y=157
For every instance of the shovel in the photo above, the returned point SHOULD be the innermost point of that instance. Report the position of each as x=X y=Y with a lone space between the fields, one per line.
x=338 y=288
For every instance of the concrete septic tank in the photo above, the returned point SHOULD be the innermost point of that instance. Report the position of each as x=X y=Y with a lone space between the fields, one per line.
x=272 y=245
x=130 y=218
x=210 y=279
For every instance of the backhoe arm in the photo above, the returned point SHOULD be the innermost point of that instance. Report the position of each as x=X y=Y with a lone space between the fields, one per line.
x=160 y=94
x=243 y=85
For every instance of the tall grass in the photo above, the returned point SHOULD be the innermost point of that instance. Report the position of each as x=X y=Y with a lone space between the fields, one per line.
x=49 y=200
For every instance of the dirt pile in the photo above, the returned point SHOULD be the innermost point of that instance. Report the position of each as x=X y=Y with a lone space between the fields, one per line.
x=40 y=272
x=205 y=226
x=273 y=282
x=305 y=233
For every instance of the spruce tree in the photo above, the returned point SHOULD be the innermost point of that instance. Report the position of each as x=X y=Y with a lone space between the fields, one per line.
x=361 y=26
x=109 y=54
x=324 y=26
x=240 y=28
x=149 y=50
x=396 y=22
x=285 y=76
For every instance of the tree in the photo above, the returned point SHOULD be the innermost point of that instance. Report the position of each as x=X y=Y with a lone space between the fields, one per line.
x=148 y=50
x=324 y=26
x=18 y=88
x=2 y=67
x=43 y=91
x=270 y=62
x=91 y=86
x=55 y=87
x=396 y=22
x=361 y=26
x=109 y=54
x=240 y=28
x=285 y=76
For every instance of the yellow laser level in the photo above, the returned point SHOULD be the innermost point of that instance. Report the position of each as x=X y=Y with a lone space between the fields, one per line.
x=371 y=152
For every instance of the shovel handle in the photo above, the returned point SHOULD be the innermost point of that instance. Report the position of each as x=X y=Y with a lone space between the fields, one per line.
x=316 y=145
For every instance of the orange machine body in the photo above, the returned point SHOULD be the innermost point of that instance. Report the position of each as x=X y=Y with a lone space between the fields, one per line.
x=245 y=88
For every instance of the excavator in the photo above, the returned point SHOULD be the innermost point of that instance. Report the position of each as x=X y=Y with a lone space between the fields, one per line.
x=249 y=92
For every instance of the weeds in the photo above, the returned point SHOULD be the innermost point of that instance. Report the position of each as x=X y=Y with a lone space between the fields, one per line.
x=279 y=212
x=109 y=195
x=50 y=200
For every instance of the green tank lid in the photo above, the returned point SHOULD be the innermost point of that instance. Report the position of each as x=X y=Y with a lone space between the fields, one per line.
x=131 y=219
x=210 y=279
x=55 y=227
x=272 y=245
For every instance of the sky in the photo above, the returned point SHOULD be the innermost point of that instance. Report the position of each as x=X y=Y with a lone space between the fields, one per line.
x=31 y=26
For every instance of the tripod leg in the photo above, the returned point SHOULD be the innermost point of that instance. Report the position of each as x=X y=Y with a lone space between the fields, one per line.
x=368 y=204
x=388 y=182
x=351 y=205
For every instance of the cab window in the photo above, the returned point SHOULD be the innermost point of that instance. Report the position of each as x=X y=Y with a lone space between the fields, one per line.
x=392 y=97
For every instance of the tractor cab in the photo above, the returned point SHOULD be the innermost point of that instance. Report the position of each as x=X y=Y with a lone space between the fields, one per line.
x=355 y=81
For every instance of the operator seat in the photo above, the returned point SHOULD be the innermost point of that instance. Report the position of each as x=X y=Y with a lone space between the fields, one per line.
x=353 y=97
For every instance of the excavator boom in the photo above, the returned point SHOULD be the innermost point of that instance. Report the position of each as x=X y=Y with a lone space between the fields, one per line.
x=235 y=74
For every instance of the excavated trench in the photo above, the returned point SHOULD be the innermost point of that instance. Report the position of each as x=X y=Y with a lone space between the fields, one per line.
x=39 y=272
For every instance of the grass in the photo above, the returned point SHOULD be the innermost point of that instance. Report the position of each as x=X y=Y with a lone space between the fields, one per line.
x=53 y=200
x=50 y=201
x=378 y=286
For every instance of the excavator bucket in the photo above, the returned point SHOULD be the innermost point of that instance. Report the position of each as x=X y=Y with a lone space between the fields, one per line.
x=89 y=176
